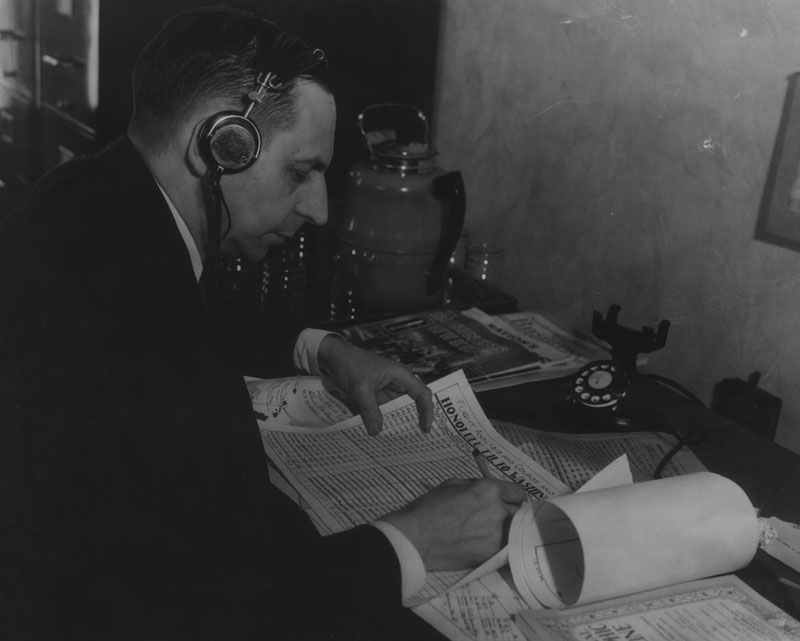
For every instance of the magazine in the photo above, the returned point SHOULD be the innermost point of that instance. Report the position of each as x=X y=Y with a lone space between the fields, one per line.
x=490 y=350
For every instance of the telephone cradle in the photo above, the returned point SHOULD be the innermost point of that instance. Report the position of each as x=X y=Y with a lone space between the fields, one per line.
x=605 y=392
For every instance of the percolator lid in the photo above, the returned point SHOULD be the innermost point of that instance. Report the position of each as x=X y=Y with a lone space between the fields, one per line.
x=411 y=151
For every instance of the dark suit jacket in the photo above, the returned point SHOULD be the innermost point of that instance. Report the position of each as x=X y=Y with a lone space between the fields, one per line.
x=134 y=499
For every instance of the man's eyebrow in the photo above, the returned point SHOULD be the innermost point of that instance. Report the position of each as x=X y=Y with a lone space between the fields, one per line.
x=317 y=164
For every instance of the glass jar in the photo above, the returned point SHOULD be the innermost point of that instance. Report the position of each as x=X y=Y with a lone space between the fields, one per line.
x=486 y=262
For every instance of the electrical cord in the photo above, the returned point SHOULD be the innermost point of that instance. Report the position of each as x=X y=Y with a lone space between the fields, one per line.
x=215 y=237
x=673 y=385
x=213 y=260
x=693 y=437
x=211 y=279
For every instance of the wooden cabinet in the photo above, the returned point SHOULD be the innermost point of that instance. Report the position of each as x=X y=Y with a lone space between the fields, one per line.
x=16 y=41
x=65 y=70
x=48 y=87
x=16 y=158
x=18 y=96
x=69 y=32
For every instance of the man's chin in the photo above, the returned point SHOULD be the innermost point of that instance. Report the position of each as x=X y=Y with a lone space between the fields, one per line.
x=255 y=253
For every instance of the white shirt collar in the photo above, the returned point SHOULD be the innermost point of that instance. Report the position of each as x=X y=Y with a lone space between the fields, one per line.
x=191 y=246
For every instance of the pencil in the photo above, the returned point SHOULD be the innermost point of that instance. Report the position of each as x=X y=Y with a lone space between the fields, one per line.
x=788 y=582
x=483 y=464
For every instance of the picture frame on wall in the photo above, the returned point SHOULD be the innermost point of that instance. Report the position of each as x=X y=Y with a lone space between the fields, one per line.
x=779 y=214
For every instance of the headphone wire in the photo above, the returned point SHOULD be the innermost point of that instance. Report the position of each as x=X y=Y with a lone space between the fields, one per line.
x=215 y=234
x=212 y=265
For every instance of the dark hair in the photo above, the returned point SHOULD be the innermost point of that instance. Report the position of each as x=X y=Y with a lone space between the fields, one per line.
x=217 y=53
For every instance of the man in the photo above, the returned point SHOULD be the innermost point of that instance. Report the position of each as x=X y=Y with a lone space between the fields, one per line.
x=134 y=499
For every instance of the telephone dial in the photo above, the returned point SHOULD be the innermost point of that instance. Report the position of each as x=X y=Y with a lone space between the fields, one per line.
x=602 y=390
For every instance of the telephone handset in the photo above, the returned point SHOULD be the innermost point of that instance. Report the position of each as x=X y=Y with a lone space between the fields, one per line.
x=602 y=390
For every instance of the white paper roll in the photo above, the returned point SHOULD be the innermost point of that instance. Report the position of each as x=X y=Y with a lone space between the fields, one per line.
x=585 y=547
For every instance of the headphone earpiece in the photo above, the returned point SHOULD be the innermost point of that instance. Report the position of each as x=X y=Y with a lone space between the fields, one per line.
x=230 y=142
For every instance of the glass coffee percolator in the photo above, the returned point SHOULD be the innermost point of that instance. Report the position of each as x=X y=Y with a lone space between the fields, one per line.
x=401 y=219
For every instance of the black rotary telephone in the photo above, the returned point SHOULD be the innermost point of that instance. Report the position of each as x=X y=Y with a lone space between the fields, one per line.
x=601 y=390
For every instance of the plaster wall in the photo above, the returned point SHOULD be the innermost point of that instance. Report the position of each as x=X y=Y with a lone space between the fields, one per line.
x=618 y=150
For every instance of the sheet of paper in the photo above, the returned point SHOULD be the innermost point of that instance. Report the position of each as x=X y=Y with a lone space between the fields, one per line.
x=616 y=473
x=719 y=609
x=595 y=545
x=300 y=400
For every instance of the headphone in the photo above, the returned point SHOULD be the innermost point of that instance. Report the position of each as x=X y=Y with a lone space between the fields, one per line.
x=230 y=141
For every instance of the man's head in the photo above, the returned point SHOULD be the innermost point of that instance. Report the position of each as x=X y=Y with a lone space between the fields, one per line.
x=207 y=63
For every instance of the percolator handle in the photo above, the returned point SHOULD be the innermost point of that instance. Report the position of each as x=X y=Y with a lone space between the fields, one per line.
x=374 y=137
x=450 y=189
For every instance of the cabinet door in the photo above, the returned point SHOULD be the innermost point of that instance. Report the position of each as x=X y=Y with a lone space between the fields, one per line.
x=16 y=151
x=62 y=140
x=17 y=45
x=70 y=50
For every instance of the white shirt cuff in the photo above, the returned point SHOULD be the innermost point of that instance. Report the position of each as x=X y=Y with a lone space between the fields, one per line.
x=306 y=348
x=412 y=569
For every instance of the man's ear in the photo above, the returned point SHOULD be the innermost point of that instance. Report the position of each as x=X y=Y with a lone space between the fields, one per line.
x=195 y=160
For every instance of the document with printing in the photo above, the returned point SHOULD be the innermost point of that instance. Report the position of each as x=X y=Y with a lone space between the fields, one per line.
x=719 y=609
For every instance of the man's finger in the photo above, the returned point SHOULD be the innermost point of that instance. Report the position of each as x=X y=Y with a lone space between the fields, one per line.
x=425 y=417
x=424 y=403
x=511 y=493
x=423 y=399
x=450 y=482
x=370 y=412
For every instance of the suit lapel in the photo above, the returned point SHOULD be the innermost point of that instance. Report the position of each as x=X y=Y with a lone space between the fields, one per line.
x=147 y=217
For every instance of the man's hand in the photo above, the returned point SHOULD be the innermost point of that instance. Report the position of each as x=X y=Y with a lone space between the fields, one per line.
x=371 y=380
x=459 y=524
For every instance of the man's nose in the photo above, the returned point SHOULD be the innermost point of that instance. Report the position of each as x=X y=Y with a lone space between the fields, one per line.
x=314 y=205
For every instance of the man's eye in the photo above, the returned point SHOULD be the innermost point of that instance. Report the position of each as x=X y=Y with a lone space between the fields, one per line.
x=300 y=176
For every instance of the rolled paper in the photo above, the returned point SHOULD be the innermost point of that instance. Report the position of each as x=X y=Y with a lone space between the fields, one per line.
x=589 y=546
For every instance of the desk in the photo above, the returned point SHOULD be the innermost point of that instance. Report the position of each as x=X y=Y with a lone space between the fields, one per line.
x=768 y=473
